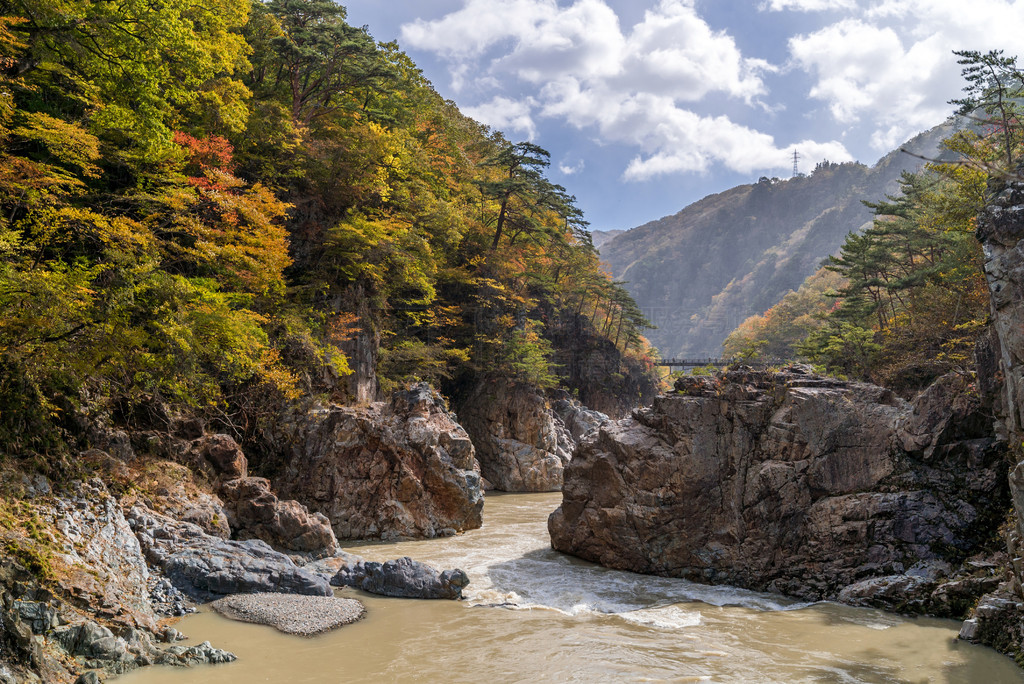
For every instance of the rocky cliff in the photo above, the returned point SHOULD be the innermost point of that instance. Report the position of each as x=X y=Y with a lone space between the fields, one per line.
x=790 y=482
x=404 y=468
x=75 y=592
x=523 y=440
x=158 y=518
x=999 y=618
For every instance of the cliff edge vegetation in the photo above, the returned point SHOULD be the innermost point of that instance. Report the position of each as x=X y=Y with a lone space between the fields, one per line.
x=228 y=207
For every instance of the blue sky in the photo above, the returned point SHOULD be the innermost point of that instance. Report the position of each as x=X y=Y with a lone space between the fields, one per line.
x=649 y=105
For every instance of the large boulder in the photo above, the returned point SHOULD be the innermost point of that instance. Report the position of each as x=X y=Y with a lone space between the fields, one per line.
x=207 y=567
x=404 y=469
x=403 y=577
x=786 y=482
x=521 y=444
x=254 y=512
x=217 y=456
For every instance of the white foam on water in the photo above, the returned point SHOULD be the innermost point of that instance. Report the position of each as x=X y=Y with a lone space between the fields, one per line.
x=513 y=566
x=668 y=617
x=542 y=578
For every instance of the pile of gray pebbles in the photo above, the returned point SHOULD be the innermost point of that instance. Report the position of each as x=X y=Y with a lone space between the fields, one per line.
x=291 y=613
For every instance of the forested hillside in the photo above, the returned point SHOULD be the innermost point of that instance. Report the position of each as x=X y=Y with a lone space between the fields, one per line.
x=906 y=300
x=227 y=206
x=901 y=303
x=699 y=273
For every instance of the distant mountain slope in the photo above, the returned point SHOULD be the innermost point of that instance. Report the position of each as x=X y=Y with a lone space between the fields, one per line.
x=697 y=274
x=599 y=237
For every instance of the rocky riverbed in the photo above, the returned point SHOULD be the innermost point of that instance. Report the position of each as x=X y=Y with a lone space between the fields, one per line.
x=94 y=569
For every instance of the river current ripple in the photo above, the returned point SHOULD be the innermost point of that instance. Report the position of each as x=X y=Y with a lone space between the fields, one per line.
x=534 y=615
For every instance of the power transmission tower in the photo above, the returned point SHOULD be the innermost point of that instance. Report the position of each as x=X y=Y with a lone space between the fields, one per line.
x=796 y=163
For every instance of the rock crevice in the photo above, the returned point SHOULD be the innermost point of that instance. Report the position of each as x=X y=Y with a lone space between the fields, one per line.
x=524 y=440
x=786 y=482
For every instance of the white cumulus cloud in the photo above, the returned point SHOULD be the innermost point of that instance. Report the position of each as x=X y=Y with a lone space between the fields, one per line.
x=570 y=169
x=506 y=114
x=808 y=5
x=675 y=87
x=637 y=85
x=890 y=63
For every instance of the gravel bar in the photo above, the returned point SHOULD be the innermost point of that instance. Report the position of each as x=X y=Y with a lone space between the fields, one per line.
x=291 y=613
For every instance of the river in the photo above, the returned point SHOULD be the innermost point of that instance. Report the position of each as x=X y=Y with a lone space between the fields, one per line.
x=535 y=615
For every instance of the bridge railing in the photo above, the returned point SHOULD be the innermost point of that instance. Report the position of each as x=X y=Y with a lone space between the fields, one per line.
x=717 y=361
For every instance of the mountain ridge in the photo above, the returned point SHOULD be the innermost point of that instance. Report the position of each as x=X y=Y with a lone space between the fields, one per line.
x=700 y=272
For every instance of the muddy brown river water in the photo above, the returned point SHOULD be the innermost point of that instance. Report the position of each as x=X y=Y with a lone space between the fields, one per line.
x=535 y=615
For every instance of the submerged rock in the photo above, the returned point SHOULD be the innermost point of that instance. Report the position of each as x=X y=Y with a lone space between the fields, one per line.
x=404 y=578
x=189 y=656
x=405 y=469
x=786 y=482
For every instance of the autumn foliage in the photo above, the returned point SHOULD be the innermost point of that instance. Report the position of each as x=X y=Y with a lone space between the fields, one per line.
x=209 y=203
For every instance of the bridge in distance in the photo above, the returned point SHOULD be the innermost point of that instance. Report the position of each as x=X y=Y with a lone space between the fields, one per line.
x=713 y=361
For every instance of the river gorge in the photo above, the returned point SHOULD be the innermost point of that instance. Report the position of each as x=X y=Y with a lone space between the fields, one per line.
x=533 y=614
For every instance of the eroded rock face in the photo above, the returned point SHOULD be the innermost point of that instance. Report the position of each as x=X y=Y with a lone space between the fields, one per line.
x=579 y=420
x=105 y=568
x=787 y=482
x=999 y=618
x=94 y=613
x=522 y=443
x=254 y=512
x=206 y=567
x=401 y=469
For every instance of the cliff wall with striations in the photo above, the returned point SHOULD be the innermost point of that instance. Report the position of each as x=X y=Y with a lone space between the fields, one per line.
x=794 y=483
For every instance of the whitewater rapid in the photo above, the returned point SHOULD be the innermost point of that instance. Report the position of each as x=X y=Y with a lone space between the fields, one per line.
x=534 y=615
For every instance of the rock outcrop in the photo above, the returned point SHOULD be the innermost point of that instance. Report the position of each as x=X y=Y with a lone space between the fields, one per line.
x=520 y=444
x=786 y=482
x=999 y=618
x=101 y=559
x=402 y=469
x=217 y=456
x=240 y=507
x=523 y=441
x=206 y=567
x=93 y=612
x=577 y=419
x=254 y=512
x=403 y=578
